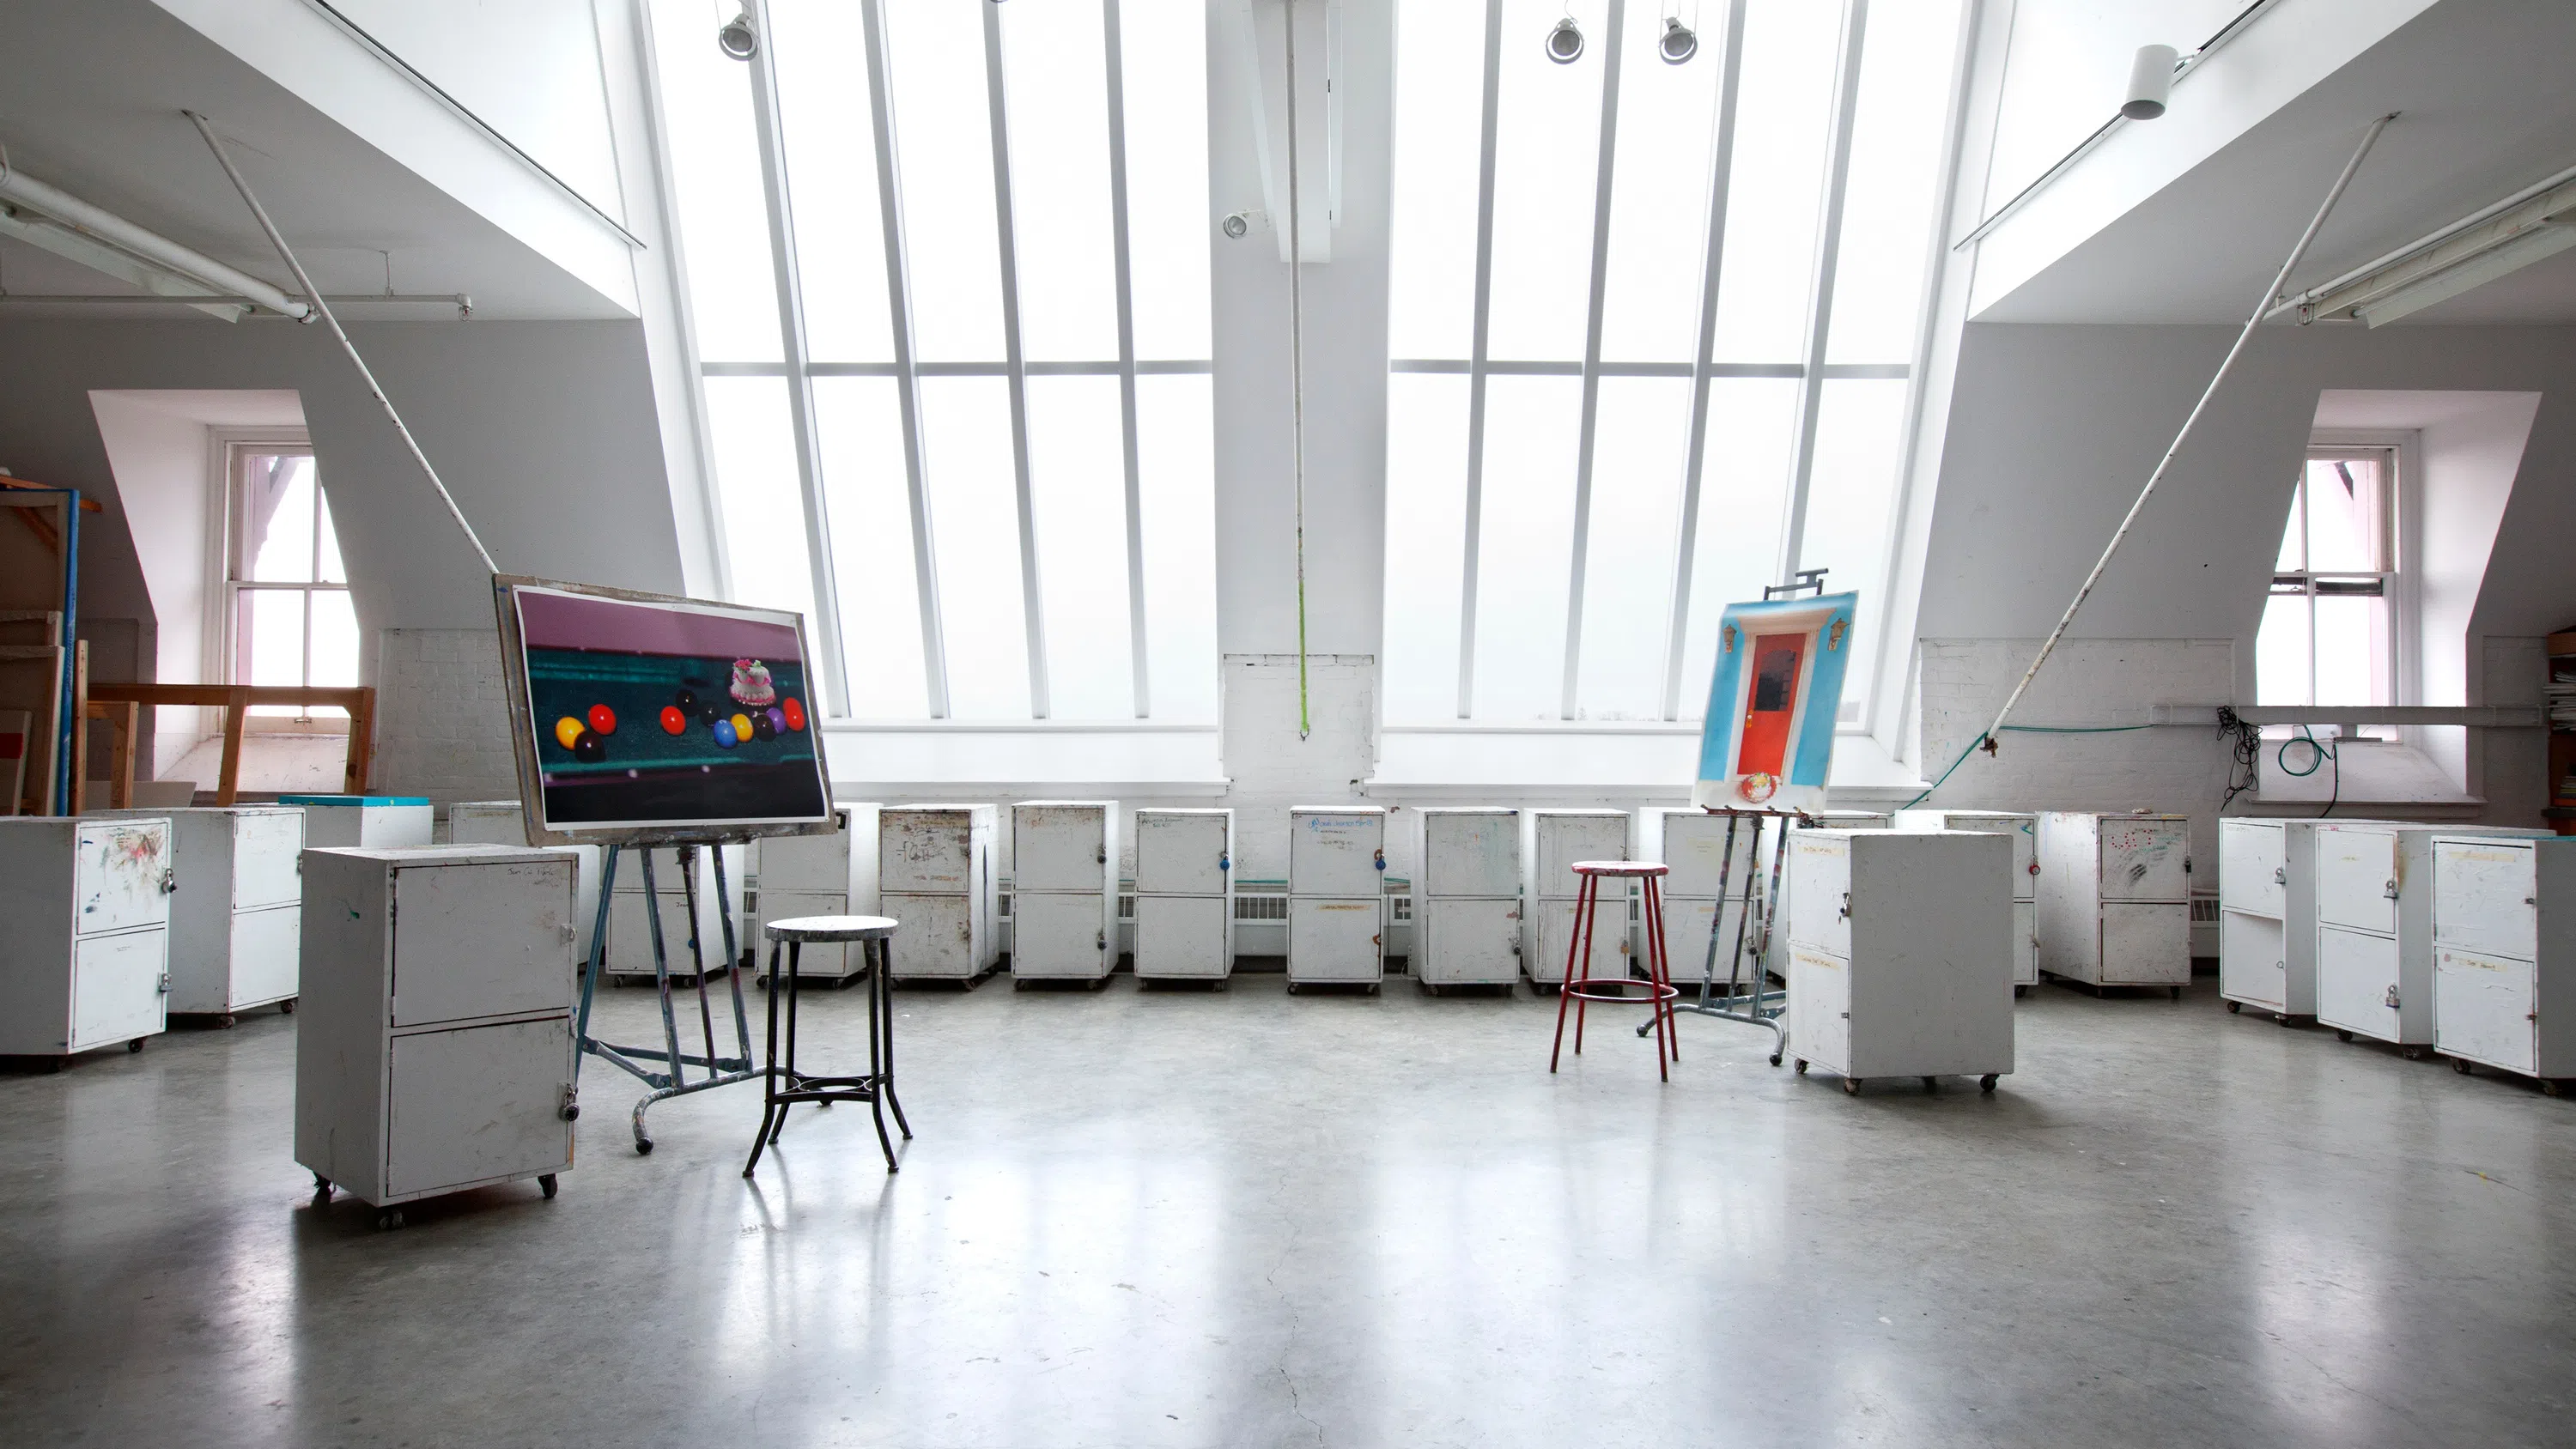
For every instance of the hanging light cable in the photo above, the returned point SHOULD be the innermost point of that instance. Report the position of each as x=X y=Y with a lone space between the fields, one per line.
x=1297 y=370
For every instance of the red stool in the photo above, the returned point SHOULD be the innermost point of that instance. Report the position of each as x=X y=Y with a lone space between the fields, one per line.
x=1658 y=991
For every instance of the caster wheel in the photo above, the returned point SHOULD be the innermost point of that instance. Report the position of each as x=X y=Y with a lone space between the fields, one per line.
x=321 y=1190
x=1851 y=1086
x=1932 y=1084
x=389 y=1219
x=2282 y=1018
x=546 y=1183
x=1373 y=988
x=1019 y=986
x=225 y=1021
x=1775 y=1061
x=2553 y=1087
x=1986 y=1083
x=1802 y=1066
x=2342 y=1035
x=2411 y=1053
x=2234 y=1007
x=135 y=1045
x=2460 y=1066
x=1292 y=988
x=286 y=1007
x=643 y=1146
x=2177 y=992
x=2020 y=991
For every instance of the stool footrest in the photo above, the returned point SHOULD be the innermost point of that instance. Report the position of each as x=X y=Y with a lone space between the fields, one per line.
x=1614 y=990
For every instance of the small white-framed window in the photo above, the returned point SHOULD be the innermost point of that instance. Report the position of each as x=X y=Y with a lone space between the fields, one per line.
x=288 y=616
x=2330 y=630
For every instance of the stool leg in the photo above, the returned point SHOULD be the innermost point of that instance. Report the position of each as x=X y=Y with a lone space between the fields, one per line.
x=1587 y=909
x=768 y=1070
x=1563 y=991
x=1658 y=976
x=877 y=1023
x=884 y=973
x=795 y=974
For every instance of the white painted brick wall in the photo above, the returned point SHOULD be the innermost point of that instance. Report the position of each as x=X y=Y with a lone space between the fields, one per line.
x=442 y=716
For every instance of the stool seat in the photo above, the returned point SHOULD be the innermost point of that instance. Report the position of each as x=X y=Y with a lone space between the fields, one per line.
x=831 y=928
x=1622 y=869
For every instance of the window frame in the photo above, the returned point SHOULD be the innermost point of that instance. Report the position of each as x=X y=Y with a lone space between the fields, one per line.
x=2399 y=453
x=233 y=449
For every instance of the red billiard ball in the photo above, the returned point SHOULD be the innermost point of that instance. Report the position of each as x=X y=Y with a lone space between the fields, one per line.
x=674 y=722
x=603 y=720
x=794 y=710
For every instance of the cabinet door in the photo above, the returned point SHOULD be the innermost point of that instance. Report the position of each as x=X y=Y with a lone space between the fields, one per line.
x=819 y=961
x=926 y=852
x=2253 y=871
x=2356 y=972
x=1181 y=852
x=267 y=956
x=1820 y=903
x=2025 y=943
x=2483 y=1009
x=1551 y=923
x=1820 y=1009
x=1335 y=854
x=1694 y=846
x=1336 y=940
x=1182 y=936
x=1565 y=837
x=116 y=987
x=1468 y=853
x=1058 y=936
x=2251 y=964
x=1467 y=941
x=2357 y=879
x=119 y=875
x=477 y=1104
x=630 y=932
x=2485 y=898
x=816 y=863
x=2146 y=945
x=1058 y=847
x=268 y=849
x=488 y=939
x=2142 y=860
x=934 y=935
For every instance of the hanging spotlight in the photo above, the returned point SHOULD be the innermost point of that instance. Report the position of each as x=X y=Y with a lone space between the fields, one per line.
x=1565 y=42
x=737 y=38
x=1679 y=42
x=2151 y=77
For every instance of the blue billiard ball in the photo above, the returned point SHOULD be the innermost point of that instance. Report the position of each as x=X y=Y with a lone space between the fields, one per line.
x=725 y=737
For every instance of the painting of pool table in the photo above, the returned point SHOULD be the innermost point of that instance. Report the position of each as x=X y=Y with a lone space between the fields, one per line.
x=639 y=714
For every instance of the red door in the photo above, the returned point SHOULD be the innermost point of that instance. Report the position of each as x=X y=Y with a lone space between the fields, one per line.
x=1769 y=705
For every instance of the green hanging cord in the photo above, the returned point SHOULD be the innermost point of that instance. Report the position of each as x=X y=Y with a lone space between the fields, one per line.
x=1297 y=370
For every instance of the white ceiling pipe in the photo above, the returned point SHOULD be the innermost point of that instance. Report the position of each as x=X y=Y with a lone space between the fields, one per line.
x=19 y=189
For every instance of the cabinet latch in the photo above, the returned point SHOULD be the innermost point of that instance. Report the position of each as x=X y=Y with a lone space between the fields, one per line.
x=571 y=1108
x=2389 y=890
x=2392 y=998
x=165 y=983
x=2280 y=875
x=570 y=933
x=169 y=882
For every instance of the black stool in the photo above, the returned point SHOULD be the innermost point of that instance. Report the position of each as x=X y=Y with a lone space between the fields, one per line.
x=783 y=1084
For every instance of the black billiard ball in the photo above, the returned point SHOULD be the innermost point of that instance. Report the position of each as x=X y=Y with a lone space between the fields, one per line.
x=761 y=728
x=686 y=699
x=589 y=748
x=709 y=713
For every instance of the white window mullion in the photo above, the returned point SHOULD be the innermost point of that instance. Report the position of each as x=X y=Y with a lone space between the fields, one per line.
x=1114 y=51
x=1476 y=355
x=1820 y=309
x=1032 y=603
x=1614 y=45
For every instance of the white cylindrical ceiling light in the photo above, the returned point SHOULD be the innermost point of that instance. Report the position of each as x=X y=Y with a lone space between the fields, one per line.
x=17 y=188
x=2151 y=77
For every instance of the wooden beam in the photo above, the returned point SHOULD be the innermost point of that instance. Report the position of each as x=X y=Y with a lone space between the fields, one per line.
x=228 y=780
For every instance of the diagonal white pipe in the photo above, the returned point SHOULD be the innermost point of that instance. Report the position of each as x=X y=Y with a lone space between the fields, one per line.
x=20 y=189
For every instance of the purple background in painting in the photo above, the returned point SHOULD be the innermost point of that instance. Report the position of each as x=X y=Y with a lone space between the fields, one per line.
x=569 y=621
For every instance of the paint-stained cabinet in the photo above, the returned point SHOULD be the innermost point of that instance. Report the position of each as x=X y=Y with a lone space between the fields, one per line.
x=84 y=958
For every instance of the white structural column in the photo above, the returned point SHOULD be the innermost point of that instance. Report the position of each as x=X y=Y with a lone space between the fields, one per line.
x=1032 y=605
x=1694 y=463
x=934 y=650
x=1614 y=45
x=1476 y=355
x=1112 y=46
x=800 y=382
x=1820 y=307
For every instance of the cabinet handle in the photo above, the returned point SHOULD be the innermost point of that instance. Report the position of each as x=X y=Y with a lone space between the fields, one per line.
x=170 y=882
x=2390 y=891
x=571 y=1108
x=2280 y=875
x=1845 y=913
x=2392 y=998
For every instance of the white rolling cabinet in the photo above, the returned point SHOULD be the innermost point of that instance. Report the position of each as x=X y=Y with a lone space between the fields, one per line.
x=1336 y=895
x=500 y=822
x=786 y=876
x=84 y=958
x=1184 y=895
x=2115 y=899
x=1551 y=842
x=2504 y=954
x=2023 y=830
x=236 y=924
x=630 y=939
x=2267 y=916
x=2374 y=932
x=1064 y=890
x=388 y=820
x=935 y=877
x=1692 y=842
x=435 y=1048
x=1900 y=960
x=1467 y=899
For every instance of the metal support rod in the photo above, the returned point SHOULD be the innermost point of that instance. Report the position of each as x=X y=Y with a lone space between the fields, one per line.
x=2165 y=464
x=314 y=295
x=1297 y=362
x=1587 y=429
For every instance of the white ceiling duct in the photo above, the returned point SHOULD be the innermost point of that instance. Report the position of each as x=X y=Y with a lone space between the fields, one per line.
x=18 y=190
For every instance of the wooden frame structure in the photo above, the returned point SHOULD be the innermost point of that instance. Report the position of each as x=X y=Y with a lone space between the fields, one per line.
x=235 y=700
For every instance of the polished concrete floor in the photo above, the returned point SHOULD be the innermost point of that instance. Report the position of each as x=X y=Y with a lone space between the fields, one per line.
x=1191 y=1218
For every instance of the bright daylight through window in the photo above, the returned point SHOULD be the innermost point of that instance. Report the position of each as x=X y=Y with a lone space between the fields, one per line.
x=292 y=620
x=948 y=276
x=1653 y=326
x=2326 y=637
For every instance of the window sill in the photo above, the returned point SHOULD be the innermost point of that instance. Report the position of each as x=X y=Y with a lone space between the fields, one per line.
x=2373 y=772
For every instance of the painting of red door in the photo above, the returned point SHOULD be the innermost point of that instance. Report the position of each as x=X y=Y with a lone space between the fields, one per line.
x=1771 y=704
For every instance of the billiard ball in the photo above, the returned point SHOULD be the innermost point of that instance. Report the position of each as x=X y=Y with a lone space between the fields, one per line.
x=741 y=726
x=794 y=710
x=590 y=749
x=709 y=714
x=603 y=720
x=762 y=728
x=673 y=721
x=686 y=699
x=777 y=721
x=567 y=730
x=725 y=737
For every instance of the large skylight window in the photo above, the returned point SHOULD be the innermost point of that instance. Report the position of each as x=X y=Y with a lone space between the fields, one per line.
x=948 y=284
x=1653 y=330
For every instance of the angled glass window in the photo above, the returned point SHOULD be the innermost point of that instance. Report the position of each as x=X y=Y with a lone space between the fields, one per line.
x=960 y=416
x=1652 y=328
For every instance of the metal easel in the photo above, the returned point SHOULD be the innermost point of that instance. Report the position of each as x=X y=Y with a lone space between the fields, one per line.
x=1754 y=1002
x=673 y=1079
